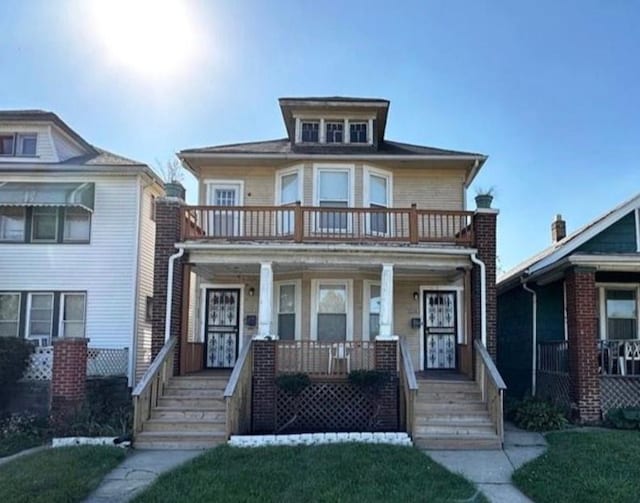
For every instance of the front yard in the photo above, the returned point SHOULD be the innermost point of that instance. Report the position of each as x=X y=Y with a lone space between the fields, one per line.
x=345 y=473
x=588 y=467
x=62 y=475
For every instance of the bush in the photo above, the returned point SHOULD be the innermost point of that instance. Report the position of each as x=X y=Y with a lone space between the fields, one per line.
x=21 y=431
x=534 y=414
x=14 y=359
x=89 y=421
x=294 y=384
x=624 y=418
x=369 y=381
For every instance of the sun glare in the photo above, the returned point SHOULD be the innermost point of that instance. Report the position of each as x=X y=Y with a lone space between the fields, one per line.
x=155 y=38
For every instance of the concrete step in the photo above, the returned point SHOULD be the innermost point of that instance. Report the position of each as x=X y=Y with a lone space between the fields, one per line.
x=171 y=392
x=191 y=402
x=164 y=425
x=182 y=414
x=449 y=396
x=179 y=440
x=457 y=442
x=456 y=429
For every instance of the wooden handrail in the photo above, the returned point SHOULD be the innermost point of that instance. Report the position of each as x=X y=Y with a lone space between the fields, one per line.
x=492 y=387
x=490 y=365
x=408 y=365
x=237 y=370
x=237 y=394
x=409 y=386
x=154 y=367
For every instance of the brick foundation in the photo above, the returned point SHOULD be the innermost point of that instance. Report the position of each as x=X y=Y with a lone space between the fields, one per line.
x=68 y=377
x=386 y=359
x=264 y=386
x=583 y=350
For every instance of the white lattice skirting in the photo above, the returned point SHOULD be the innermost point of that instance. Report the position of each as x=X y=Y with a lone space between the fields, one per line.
x=399 y=438
x=39 y=368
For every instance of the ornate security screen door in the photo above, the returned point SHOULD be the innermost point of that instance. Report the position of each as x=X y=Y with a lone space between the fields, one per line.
x=440 y=330
x=222 y=327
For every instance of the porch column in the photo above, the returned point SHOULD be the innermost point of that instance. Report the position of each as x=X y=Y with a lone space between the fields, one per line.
x=265 y=302
x=386 y=302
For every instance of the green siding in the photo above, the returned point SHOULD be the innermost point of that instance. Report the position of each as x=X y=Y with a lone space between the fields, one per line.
x=550 y=312
x=514 y=340
x=619 y=237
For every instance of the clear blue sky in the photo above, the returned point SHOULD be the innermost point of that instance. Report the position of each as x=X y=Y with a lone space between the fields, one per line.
x=549 y=90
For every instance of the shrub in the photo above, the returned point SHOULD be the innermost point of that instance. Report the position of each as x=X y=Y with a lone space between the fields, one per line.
x=369 y=381
x=624 y=418
x=534 y=414
x=91 y=421
x=14 y=358
x=21 y=431
x=294 y=384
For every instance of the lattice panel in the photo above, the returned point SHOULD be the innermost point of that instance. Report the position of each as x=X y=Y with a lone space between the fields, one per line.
x=325 y=407
x=619 y=391
x=40 y=366
x=554 y=386
x=107 y=362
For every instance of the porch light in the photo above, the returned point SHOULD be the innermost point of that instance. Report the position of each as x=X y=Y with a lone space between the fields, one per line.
x=252 y=291
x=416 y=296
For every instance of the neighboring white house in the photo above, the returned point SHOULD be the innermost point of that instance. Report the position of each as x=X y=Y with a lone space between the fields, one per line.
x=77 y=236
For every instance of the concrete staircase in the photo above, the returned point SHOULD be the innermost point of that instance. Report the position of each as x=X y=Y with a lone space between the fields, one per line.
x=191 y=414
x=452 y=415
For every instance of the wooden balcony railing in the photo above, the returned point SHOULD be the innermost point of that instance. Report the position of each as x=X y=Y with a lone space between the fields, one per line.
x=309 y=224
x=324 y=358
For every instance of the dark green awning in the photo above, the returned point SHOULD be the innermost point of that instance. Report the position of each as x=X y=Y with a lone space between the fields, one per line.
x=47 y=194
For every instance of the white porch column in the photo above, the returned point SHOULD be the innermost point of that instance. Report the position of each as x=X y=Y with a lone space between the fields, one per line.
x=265 y=300
x=386 y=302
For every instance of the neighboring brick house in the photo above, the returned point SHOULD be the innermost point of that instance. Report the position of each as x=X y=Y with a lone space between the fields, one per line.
x=328 y=246
x=77 y=237
x=568 y=317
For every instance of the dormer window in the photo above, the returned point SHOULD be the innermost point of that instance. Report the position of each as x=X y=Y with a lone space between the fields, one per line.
x=310 y=131
x=358 y=132
x=20 y=144
x=6 y=144
x=334 y=132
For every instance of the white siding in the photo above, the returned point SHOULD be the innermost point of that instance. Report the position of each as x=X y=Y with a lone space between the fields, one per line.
x=45 y=150
x=64 y=147
x=105 y=268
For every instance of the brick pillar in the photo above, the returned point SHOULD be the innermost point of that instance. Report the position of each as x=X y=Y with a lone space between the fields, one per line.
x=264 y=386
x=168 y=222
x=68 y=376
x=582 y=330
x=386 y=359
x=484 y=231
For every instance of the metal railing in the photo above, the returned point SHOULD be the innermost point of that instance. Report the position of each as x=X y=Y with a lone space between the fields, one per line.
x=553 y=356
x=491 y=385
x=309 y=224
x=324 y=358
x=620 y=357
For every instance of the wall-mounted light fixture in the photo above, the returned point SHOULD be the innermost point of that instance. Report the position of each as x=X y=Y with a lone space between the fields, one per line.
x=252 y=291
x=416 y=295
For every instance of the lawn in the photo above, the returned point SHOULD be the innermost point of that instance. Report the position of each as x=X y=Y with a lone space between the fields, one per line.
x=329 y=473
x=585 y=466
x=66 y=474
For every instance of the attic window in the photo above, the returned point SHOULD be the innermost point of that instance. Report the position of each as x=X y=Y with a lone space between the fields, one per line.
x=6 y=144
x=310 y=131
x=334 y=132
x=358 y=132
x=19 y=144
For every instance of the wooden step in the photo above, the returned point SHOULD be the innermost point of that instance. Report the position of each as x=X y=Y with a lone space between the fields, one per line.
x=449 y=396
x=457 y=442
x=453 y=417
x=191 y=402
x=455 y=429
x=426 y=385
x=179 y=440
x=426 y=406
x=182 y=414
x=190 y=425
x=197 y=384
x=171 y=392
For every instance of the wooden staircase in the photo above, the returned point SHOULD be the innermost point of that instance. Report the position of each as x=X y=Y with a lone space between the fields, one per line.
x=450 y=414
x=190 y=414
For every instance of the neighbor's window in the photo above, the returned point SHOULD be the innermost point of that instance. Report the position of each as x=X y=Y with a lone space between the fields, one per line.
x=334 y=132
x=287 y=312
x=26 y=144
x=72 y=318
x=622 y=315
x=44 y=225
x=9 y=314
x=40 y=318
x=332 y=312
x=310 y=131
x=77 y=225
x=358 y=132
x=6 y=144
x=12 y=223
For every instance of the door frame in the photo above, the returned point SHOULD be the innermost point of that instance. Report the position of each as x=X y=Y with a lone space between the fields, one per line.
x=203 y=308
x=460 y=320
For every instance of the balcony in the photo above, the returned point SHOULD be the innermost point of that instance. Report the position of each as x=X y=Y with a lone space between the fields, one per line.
x=312 y=224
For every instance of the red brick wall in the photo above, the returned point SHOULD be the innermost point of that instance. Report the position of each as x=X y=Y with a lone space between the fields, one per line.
x=264 y=386
x=484 y=229
x=69 y=374
x=582 y=330
x=386 y=359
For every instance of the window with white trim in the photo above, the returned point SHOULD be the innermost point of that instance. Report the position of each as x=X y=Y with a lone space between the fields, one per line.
x=12 y=224
x=334 y=132
x=358 y=132
x=378 y=195
x=77 y=225
x=40 y=318
x=9 y=314
x=621 y=311
x=333 y=191
x=72 y=314
x=18 y=144
x=332 y=306
x=310 y=131
x=286 y=311
x=44 y=224
x=374 y=302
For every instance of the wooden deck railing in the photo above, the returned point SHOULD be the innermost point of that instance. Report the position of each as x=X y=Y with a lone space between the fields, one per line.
x=309 y=224
x=553 y=357
x=408 y=387
x=324 y=358
x=491 y=385
x=237 y=394
x=151 y=386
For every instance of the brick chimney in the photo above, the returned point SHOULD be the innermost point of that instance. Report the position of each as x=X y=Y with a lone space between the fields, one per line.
x=558 y=229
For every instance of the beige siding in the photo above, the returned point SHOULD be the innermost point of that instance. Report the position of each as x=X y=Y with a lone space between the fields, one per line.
x=429 y=189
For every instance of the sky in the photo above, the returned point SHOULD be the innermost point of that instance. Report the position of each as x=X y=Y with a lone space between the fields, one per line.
x=549 y=90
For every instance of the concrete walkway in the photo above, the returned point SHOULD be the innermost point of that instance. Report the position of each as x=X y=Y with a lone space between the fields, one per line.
x=138 y=471
x=491 y=470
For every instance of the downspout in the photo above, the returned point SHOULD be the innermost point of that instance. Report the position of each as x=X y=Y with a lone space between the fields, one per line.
x=483 y=297
x=167 y=314
x=534 y=335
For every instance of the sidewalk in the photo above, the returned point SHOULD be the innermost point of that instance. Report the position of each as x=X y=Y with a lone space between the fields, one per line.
x=138 y=471
x=491 y=470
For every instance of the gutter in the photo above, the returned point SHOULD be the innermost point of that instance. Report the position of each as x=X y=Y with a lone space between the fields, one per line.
x=534 y=334
x=167 y=314
x=483 y=296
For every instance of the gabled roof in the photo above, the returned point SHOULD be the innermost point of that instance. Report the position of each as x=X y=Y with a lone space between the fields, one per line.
x=570 y=243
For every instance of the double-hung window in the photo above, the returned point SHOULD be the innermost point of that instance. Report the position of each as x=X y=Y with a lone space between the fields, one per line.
x=9 y=314
x=333 y=190
x=371 y=311
x=77 y=225
x=26 y=144
x=358 y=132
x=12 y=224
x=72 y=315
x=7 y=142
x=44 y=226
x=222 y=222
x=40 y=318
x=377 y=188
x=621 y=310
x=287 y=311
x=310 y=131
x=334 y=132
x=332 y=310
x=288 y=192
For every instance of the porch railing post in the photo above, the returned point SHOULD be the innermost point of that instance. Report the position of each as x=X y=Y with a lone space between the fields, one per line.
x=413 y=224
x=298 y=223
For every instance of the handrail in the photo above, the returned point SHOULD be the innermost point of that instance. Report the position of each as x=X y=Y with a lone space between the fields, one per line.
x=237 y=370
x=409 y=387
x=490 y=365
x=408 y=365
x=151 y=387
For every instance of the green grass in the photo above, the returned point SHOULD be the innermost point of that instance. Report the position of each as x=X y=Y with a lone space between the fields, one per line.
x=17 y=443
x=330 y=473
x=586 y=467
x=66 y=474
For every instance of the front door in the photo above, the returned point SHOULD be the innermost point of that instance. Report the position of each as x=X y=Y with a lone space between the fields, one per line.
x=223 y=222
x=440 y=315
x=222 y=327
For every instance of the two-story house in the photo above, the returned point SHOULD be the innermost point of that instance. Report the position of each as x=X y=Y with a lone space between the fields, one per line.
x=326 y=243
x=77 y=234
